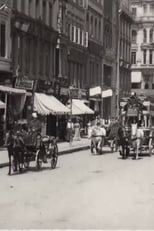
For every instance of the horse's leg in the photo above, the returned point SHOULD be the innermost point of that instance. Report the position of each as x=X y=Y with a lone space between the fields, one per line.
x=9 y=155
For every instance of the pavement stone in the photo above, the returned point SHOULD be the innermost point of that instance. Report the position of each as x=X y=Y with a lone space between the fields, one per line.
x=63 y=147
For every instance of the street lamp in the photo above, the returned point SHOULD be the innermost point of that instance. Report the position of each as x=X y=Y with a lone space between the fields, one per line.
x=118 y=68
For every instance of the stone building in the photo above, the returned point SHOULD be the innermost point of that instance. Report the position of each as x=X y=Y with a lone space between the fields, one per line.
x=125 y=20
x=5 y=44
x=110 y=43
x=142 y=50
x=94 y=23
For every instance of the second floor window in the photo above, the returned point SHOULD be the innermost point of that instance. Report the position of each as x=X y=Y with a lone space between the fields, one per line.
x=145 y=8
x=144 y=56
x=2 y=39
x=134 y=36
x=151 y=57
x=133 y=57
x=134 y=11
x=144 y=36
x=151 y=36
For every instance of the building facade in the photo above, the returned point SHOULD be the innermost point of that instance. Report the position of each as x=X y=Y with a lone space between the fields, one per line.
x=142 y=50
x=125 y=20
x=5 y=44
x=94 y=24
x=110 y=43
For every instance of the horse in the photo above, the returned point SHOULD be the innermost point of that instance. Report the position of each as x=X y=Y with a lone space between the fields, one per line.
x=97 y=135
x=15 y=147
x=123 y=142
x=137 y=136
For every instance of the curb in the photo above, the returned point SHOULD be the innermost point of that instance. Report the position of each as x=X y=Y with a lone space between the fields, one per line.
x=68 y=151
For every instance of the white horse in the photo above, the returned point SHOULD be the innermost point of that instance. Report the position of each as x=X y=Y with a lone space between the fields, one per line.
x=97 y=135
x=137 y=136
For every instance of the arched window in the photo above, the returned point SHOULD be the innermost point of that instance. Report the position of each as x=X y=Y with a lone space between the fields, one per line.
x=151 y=35
x=144 y=36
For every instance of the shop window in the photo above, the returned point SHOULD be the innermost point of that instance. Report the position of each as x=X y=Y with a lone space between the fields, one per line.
x=146 y=85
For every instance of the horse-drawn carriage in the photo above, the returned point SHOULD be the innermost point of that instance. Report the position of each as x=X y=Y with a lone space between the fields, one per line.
x=136 y=121
x=25 y=146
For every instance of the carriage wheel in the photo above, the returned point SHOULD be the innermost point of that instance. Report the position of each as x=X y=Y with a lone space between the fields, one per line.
x=38 y=160
x=54 y=157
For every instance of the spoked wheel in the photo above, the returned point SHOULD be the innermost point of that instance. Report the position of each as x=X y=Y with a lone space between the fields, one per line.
x=54 y=157
x=38 y=160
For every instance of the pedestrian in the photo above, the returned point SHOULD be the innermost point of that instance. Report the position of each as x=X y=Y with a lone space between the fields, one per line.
x=69 y=130
x=77 y=136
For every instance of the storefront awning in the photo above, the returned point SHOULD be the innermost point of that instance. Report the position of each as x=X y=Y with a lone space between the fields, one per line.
x=107 y=93
x=11 y=90
x=48 y=104
x=136 y=77
x=79 y=108
x=2 y=105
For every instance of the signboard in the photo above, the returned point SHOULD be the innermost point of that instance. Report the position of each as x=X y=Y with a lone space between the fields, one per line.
x=24 y=83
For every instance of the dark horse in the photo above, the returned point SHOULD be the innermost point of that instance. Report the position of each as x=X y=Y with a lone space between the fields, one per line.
x=15 y=147
x=123 y=142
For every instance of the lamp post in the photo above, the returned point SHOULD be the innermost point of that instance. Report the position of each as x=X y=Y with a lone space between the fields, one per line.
x=118 y=67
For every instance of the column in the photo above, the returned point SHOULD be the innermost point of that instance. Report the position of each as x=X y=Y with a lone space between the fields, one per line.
x=26 y=7
x=33 y=10
x=47 y=13
x=40 y=8
x=19 y=5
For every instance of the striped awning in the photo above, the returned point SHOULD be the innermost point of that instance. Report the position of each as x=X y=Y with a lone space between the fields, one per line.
x=48 y=104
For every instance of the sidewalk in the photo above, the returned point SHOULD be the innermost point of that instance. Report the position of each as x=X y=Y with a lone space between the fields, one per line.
x=64 y=148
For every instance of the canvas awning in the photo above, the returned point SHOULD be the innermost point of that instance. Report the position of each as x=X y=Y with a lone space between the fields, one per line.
x=79 y=108
x=2 y=105
x=48 y=104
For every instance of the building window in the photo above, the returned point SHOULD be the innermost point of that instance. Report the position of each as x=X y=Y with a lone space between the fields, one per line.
x=152 y=9
x=134 y=11
x=15 y=4
x=151 y=57
x=145 y=8
x=23 y=6
x=133 y=57
x=2 y=40
x=50 y=14
x=134 y=36
x=37 y=12
x=144 y=56
x=144 y=36
x=151 y=36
